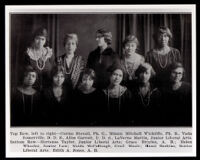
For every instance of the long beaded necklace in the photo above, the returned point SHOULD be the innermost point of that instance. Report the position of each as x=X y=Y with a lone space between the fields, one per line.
x=119 y=98
x=148 y=98
x=129 y=70
x=24 y=105
x=70 y=67
x=40 y=56
x=165 y=58
x=166 y=61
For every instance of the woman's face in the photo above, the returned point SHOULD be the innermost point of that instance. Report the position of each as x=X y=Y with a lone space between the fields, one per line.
x=145 y=76
x=87 y=81
x=70 y=46
x=116 y=77
x=176 y=75
x=130 y=48
x=39 y=41
x=30 y=78
x=58 y=79
x=163 y=39
x=100 y=40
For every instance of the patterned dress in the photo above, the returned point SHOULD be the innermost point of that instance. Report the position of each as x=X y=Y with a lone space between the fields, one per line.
x=72 y=73
x=129 y=68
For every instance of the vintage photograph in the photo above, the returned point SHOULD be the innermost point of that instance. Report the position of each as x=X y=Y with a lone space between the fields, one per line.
x=100 y=80
x=100 y=69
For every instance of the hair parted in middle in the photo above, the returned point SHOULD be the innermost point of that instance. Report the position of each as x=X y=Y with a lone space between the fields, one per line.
x=57 y=69
x=143 y=67
x=162 y=30
x=130 y=38
x=90 y=72
x=70 y=36
x=106 y=34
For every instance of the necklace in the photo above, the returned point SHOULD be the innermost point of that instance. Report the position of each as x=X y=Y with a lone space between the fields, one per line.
x=129 y=70
x=165 y=56
x=142 y=98
x=119 y=98
x=70 y=67
x=24 y=105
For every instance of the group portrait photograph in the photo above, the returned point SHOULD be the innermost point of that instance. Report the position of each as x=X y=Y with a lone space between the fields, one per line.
x=101 y=69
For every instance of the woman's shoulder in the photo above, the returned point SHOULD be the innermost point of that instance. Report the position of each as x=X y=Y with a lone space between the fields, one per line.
x=140 y=57
x=186 y=85
x=172 y=49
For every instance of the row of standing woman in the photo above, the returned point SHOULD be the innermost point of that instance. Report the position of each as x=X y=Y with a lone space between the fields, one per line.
x=107 y=90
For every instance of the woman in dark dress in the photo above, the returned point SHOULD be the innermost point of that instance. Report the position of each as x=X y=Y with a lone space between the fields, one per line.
x=147 y=98
x=88 y=100
x=57 y=100
x=25 y=100
x=73 y=64
x=162 y=56
x=117 y=97
x=102 y=57
x=41 y=57
x=130 y=60
x=177 y=98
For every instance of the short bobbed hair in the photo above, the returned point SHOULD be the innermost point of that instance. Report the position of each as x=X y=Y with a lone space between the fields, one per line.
x=27 y=69
x=143 y=67
x=114 y=67
x=130 y=38
x=106 y=34
x=57 y=69
x=41 y=32
x=162 y=30
x=69 y=36
x=174 y=66
x=90 y=72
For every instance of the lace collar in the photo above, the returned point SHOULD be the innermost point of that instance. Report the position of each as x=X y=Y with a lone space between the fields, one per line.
x=44 y=54
x=122 y=91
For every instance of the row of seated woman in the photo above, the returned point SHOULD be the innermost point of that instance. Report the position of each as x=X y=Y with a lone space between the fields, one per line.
x=140 y=103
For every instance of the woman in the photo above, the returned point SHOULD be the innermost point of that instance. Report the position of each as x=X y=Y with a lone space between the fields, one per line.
x=88 y=100
x=130 y=60
x=73 y=64
x=117 y=97
x=147 y=97
x=102 y=57
x=162 y=56
x=41 y=57
x=178 y=98
x=25 y=100
x=56 y=99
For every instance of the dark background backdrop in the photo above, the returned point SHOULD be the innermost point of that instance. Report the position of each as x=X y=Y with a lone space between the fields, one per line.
x=85 y=25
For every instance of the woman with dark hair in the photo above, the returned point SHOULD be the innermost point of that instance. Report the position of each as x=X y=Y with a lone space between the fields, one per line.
x=88 y=100
x=73 y=64
x=40 y=56
x=162 y=56
x=130 y=59
x=57 y=99
x=178 y=98
x=117 y=97
x=102 y=57
x=25 y=100
x=147 y=98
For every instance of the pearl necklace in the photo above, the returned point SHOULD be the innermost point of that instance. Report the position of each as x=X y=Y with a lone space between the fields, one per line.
x=70 y=67
x=128 y=70
x=163 y=53
x=40 y=56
